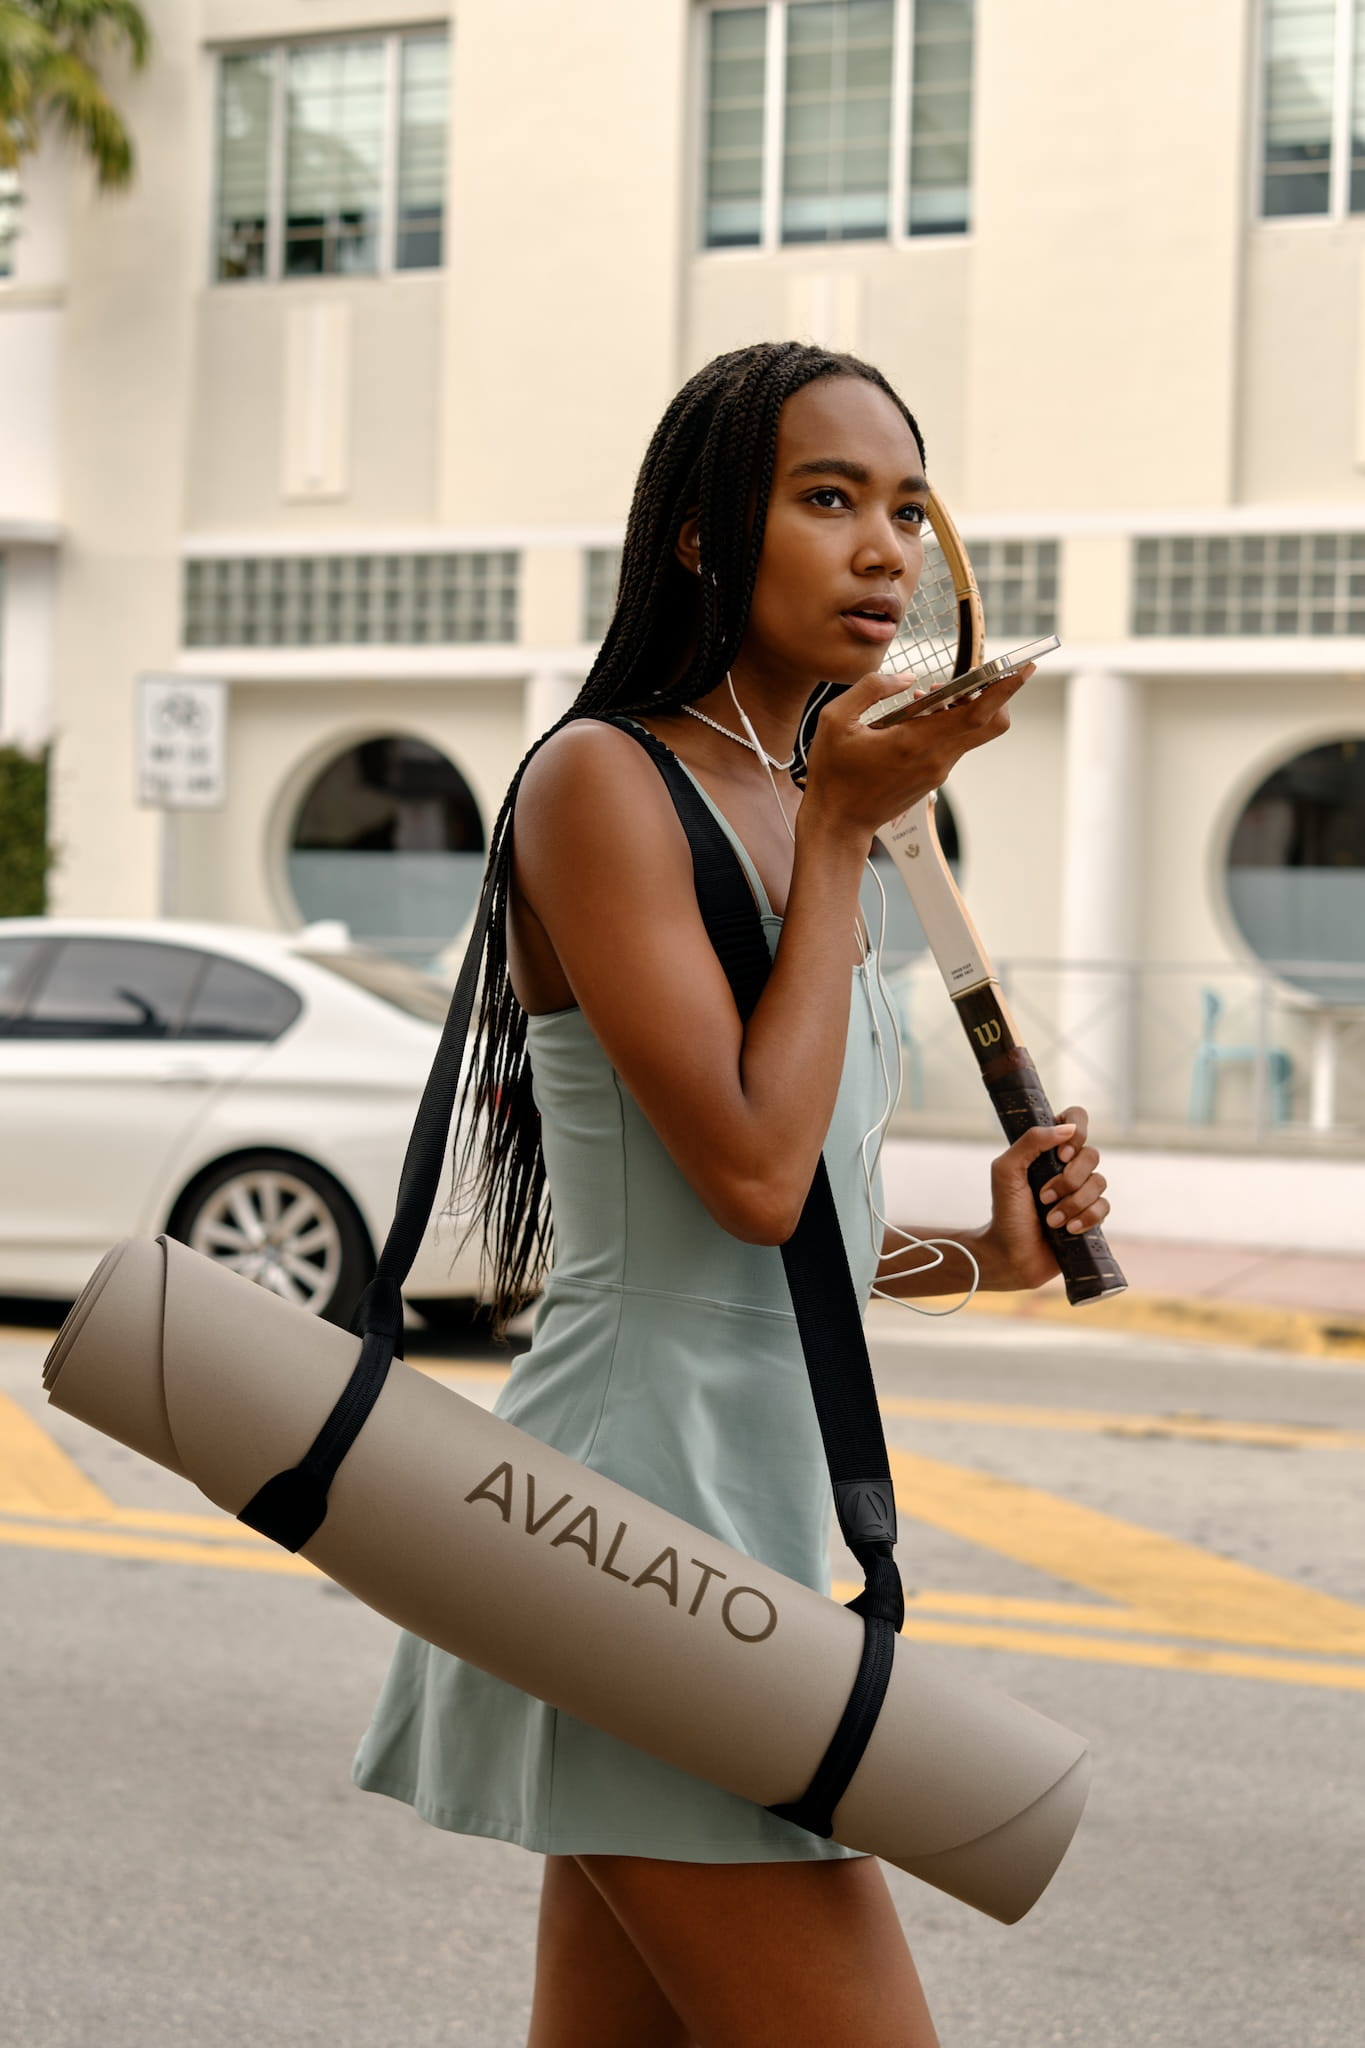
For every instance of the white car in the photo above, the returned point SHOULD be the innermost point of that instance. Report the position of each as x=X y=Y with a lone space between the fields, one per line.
x=249 y=1092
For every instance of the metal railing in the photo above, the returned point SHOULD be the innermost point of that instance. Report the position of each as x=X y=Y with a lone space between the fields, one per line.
x=1203 y=1053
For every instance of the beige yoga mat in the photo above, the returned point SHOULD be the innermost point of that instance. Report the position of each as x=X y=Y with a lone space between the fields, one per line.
x=496 y=1548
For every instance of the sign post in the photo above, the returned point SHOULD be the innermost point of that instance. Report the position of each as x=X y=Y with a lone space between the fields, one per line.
x=181 y=757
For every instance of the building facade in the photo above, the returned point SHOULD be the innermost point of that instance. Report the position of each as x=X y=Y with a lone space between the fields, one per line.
x=342 y=405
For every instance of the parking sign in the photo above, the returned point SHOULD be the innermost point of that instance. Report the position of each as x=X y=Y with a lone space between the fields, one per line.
x=181 y=743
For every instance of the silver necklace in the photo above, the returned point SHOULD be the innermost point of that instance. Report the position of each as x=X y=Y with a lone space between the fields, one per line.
x=740 y=741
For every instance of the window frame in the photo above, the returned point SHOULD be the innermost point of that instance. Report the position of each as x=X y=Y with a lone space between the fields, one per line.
x=770 y=242
x=278 y=48
x=1338 y=210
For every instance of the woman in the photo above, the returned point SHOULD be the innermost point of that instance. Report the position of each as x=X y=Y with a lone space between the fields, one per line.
x=775 y=527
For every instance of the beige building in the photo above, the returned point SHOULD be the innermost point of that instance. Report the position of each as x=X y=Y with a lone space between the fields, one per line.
x=342 y=405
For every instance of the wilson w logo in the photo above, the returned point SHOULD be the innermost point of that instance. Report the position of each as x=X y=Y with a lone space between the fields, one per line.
x=988 y=1033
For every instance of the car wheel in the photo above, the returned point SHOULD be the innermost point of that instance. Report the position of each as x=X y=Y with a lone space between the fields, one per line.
x=283 y=1223
x=452 y=1314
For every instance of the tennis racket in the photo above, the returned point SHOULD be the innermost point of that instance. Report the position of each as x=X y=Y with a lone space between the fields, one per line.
x=941 y=636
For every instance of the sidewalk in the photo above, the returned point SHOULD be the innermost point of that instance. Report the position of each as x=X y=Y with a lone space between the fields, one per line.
x=1294 y=1302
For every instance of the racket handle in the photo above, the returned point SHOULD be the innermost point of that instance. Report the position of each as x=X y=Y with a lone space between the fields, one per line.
x=1089 y=1268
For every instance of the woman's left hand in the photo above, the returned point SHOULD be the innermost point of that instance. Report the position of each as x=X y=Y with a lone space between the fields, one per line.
x=1015 y=1243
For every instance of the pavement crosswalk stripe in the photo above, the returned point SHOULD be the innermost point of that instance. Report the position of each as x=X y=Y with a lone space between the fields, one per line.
x=1206 y=1595
x=35 y=1476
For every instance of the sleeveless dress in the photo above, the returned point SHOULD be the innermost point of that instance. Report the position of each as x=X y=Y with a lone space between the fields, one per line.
x=665 y=1355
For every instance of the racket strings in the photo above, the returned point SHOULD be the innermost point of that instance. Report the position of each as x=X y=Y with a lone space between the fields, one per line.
x=929 y=637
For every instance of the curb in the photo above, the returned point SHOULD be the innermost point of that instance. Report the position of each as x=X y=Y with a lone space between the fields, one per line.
x=1198 y=1319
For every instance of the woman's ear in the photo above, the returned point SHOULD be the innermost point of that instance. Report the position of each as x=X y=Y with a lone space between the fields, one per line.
x=688 y=545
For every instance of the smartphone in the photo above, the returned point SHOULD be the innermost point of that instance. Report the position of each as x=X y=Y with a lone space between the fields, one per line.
x=905 y=704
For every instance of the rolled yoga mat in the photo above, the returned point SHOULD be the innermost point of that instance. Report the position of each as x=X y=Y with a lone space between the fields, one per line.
x=489 y=1544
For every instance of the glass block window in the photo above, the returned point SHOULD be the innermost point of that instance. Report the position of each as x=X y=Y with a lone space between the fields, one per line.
x=1313 y=107
x=1286 y=583
x=1018 y=584
x=346 y=600
x=836 y=121
x=601 y=573
x=331 y=157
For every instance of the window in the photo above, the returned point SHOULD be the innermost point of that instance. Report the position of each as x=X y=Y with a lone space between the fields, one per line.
x=403 y=987
x=18 y=957
x=1313 y=108
x=390 y=841
x=348 y=600
x=836 y=121
x=601 y=574
x=11 y=199
x=332 y=157
x=1296 y=870
x=1018 y=584
x=1301 y=583
x=111 y=988
x=238 y=1003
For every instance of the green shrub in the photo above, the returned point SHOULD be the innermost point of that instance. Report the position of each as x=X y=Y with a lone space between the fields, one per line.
x=25 y=855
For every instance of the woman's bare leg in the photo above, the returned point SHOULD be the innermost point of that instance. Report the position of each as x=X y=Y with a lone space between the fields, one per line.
x=592 y=1988
x=769 y=1955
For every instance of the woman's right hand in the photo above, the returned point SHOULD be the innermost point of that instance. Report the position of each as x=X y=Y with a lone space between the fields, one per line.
x=859 y=776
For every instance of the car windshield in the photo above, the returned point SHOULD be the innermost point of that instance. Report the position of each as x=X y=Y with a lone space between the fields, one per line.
x=393 y=981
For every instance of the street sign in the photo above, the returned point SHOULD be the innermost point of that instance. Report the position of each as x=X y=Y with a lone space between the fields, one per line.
x=181 y=743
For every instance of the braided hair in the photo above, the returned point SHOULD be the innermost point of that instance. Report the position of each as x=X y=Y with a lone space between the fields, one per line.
x=672 y=637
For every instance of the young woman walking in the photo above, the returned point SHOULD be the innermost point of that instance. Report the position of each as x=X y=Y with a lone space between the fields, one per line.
x=774 y=531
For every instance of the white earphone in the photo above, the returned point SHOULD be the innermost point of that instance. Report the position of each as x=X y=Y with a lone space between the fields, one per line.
x=875 y=1136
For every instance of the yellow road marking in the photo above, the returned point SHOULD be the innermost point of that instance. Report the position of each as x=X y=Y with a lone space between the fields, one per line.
x=110 y=1542
x=1161 y=1586
x=1211 y=1429
x=1102 y=1422
x=36 y=1477
x=1205 y=1595
x=1152 y=1656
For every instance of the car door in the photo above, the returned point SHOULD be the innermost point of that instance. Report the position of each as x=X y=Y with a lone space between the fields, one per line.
x=99 y=1090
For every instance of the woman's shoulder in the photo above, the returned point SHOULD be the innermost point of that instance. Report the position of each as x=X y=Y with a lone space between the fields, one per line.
x=592 y=782
x=590 y=762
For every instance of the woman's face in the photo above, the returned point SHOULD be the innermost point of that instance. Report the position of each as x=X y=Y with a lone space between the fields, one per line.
x=842 y=548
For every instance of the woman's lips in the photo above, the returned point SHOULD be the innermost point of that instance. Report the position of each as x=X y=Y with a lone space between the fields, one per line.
x=866 y=628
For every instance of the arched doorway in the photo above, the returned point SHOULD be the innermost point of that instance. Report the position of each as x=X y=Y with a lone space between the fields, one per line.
x=389 y=840
x=1296 y=871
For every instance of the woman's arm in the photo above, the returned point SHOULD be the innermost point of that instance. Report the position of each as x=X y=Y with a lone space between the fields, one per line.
x=1011 y=1250
x=603 y=866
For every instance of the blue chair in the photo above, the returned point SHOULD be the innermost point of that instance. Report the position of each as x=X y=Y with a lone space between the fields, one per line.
x=1210 y=1056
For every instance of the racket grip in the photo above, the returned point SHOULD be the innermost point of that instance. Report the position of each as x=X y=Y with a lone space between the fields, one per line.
x=1088 y=1267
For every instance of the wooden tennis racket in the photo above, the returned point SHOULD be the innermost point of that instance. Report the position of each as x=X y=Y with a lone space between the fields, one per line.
x=942 y=636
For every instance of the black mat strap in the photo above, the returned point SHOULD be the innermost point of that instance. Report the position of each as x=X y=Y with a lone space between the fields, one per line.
x=828 y=1314
x=292 y=1505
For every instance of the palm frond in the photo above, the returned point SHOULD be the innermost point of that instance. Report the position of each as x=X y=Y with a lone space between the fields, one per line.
x=82 y=25
x=70 y=92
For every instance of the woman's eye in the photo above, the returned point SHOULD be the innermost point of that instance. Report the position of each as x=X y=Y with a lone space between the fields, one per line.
x=914 y=515
x=827 y=498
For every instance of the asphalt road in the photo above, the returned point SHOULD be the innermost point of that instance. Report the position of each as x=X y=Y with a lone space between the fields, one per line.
x=1164 y=1548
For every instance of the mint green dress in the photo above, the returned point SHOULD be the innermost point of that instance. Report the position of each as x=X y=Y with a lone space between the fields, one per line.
x=665 y=1355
